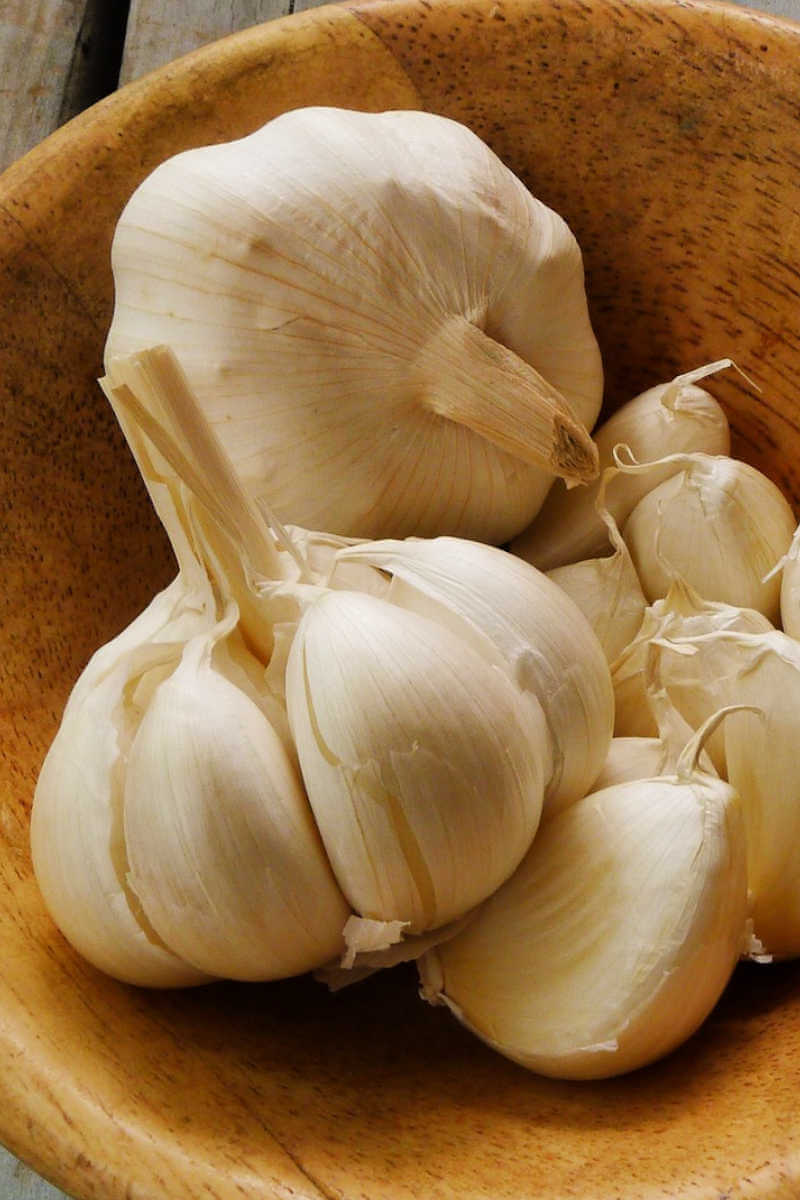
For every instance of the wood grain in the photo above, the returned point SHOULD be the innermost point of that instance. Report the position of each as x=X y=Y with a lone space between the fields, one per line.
x=38 y=48
x=668 y=133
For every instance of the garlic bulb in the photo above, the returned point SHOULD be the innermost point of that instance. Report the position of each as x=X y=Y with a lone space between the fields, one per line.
x=424 y=760
x=388 y=333
x=424 y=767
x=681 y=614
x=77 y=839
x=224 y=854
x=543 y=641
x=667 y=419
x=719 y=524
x=606 y=590
x=614 y=939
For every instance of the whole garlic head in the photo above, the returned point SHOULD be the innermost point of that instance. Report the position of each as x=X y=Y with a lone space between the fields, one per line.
x=388 y=333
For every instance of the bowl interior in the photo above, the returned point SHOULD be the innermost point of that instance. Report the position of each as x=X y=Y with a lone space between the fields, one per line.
x=666 y=133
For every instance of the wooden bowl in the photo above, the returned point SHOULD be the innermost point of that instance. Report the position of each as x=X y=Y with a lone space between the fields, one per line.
x=667 y=133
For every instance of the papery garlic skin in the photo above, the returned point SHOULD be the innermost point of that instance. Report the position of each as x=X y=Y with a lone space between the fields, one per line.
x=607 y=591
x=720 y=525
x=77 y=840
x=667 y=419
x=681 y=614
x=790 y=587
x=224 y=853
x=614 y=939
x=424 y=767
x=760 y=761
x=361 y=302
x=544 y=642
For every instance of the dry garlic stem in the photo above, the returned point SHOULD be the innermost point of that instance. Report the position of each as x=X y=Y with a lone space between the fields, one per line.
x=717 y=523
x=614 y=939
x=387 y=331
x=667 y=419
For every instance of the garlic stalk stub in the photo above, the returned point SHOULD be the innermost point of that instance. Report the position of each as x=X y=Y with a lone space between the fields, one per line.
x=717 y=523
x=424 y=770
x=388 y=333
x=668 y=419
x=614 y=939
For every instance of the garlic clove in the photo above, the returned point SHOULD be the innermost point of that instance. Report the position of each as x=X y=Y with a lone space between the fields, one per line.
x=759 y=757
x=338 y=274
x=720 y=525
x=629 y=759
x=77 y=841
x=223 y=850
x=614 y=939
x=606 y=590
x=667 y=419
x=541 y=638
x=681 y=614
x=424 y=768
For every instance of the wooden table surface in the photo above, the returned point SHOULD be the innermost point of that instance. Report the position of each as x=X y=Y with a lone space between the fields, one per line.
x=59 y=56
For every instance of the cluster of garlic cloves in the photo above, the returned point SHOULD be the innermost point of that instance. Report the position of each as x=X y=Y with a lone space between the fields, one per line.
x=315 y=764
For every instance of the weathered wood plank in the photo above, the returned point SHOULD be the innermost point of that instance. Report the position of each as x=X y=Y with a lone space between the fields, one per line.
x=160 y=30
x=38 y=44
x=18 y=1182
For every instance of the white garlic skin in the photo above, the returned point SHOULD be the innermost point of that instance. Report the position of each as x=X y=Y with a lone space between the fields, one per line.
x=424 y=766
x=311 y=278
x=681 y=614
x=631 y=758
x=541 y=638
x=759 y=758
x=224 y=853
x=790 y=588
x=720 y=525
x=77 y=840
x=608 y=593
x=613 y=941
x=670 y=418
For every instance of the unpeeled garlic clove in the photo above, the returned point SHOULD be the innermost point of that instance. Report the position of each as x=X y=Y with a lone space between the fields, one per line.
x=223 y=850
x=717 y=523
x=667 y=419
x=424 y=767
x=541 y=638
x=606 y=590
x=77 y=840
x=760 y=760
x=681 y=614
x=615 y=937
